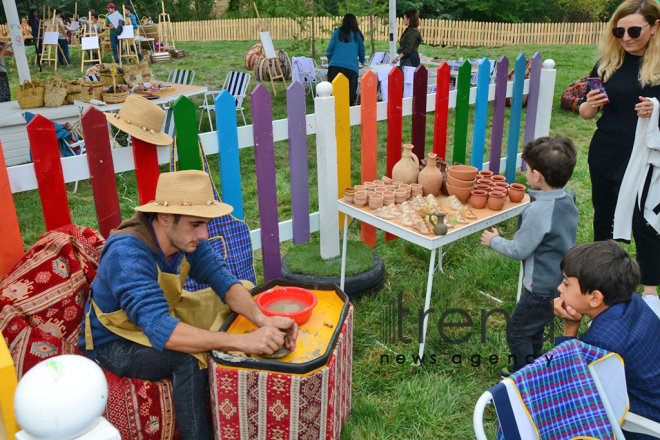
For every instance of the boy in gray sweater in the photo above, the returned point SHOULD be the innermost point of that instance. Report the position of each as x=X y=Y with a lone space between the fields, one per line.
x=546 y=231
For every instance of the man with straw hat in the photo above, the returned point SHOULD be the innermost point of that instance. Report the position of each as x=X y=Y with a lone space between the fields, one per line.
x=140 y=322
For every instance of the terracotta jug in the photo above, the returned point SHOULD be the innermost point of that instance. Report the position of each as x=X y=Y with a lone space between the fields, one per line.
x=407 y=169
x=442 y=166
x=438 y=222
x=430 y=177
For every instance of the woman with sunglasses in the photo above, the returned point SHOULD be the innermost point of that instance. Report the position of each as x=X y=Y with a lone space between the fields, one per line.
x=629 y=66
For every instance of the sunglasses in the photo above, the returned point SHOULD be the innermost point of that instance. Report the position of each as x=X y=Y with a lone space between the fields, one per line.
x=633 y=31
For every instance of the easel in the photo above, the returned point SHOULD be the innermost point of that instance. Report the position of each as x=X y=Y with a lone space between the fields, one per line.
x=166 y=28
x=126 y=43
x=52 y=55
x=92 y=34
x=272 y=59
x=39 y=39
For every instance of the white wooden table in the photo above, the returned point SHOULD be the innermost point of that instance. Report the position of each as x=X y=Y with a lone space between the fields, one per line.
x=433 y=243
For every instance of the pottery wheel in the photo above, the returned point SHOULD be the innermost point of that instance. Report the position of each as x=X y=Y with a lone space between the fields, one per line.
x=283 y=351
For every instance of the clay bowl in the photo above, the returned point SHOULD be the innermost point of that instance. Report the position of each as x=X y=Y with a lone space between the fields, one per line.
x=485 y=174
x=501 y=186
x=380 y=189
x=390 y=187
x=360 y=203
x=387 y=180
x=483 y=187
x=376 y=202
x=485 y=182
x=270 y=297
x=370 y=186
x=379 y=183
x=360 y=187
x=463 y=194
x=460 y=183
x=463 y=172
x=478 y=198
x=498 y=178
x=516 y=192
x=349 y=199
x=349 y=190
x=496 y=200
x=398 y=183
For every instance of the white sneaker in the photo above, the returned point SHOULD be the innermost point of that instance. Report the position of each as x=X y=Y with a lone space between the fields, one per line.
x=653 y=302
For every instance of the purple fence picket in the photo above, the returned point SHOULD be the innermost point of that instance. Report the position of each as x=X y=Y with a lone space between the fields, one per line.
x=264 y=159
x=420 y=81
x=295 y=103
x=532 y=100
x=497 y=131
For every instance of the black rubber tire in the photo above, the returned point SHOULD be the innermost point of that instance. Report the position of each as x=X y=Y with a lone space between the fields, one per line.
x=370 y=280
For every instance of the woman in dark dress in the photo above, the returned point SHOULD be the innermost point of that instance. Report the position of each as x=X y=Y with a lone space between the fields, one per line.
x=410 y=40
x=629 y=66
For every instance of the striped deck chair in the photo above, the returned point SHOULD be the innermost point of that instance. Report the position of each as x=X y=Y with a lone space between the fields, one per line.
x=236 y=83
x=181 y=76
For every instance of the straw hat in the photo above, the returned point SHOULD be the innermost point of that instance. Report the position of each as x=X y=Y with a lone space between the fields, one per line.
x=186 y=193
x=141 y=119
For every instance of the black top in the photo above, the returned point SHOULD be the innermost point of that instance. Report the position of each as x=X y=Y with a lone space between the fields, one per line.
x=613 y=141
x=410 y=41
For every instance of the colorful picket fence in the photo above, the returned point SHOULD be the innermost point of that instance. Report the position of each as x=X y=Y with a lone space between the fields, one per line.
x=331 y=123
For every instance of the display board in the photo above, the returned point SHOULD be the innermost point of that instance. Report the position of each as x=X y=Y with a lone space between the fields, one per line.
x=50 y=37
x=267 y=43
x=127 y=32
x=90 y=43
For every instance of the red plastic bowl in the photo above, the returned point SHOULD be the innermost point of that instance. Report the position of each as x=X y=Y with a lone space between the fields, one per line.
x=297 y=293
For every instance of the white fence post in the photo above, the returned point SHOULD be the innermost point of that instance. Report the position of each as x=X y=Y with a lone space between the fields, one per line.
x=17 y=40
x=326 y=160
x=546 y=96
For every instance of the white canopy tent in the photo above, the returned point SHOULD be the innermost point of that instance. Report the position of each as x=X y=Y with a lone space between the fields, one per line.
x=18 y=43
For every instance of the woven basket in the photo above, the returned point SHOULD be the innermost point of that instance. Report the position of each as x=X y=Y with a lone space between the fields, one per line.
x=88 y=90
x=115 y=98
x=73 y=88
x=30 y=94
x=106 y=79
x=132 y=76
x=56 y=91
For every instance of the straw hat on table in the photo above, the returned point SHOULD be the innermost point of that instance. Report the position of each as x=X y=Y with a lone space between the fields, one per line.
x=141 y=119
x=186 y=193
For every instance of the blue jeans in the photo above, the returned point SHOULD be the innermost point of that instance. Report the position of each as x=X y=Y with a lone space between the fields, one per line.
x=65 y=48
x=128 y=359
x=114 y=42
x=527 y=325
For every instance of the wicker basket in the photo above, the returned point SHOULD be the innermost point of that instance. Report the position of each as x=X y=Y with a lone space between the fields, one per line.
x=56 y=91
x=115 y=98
x=106 y=79
x=30 y=94
x=89 y=90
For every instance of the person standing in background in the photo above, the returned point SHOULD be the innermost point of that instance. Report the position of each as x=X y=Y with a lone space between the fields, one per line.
x=345 y=53
x=34 y=27
x=410 y=41
x=114 y=40
x=5 y=92
x=134 y=23
x=62 y=40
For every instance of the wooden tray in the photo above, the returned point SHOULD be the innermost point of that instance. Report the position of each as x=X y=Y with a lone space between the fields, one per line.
x=158 y=93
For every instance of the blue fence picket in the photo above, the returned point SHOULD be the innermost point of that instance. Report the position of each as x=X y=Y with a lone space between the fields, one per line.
x=481 y=113
x=515 y=118
x=230 y=167
x=295 y=103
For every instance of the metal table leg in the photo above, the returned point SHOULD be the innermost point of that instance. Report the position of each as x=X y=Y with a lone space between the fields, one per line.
x=427 y=303
x=343 y=254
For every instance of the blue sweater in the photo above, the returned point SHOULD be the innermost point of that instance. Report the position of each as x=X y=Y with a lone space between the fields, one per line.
x=127 y=279
x=342 y=54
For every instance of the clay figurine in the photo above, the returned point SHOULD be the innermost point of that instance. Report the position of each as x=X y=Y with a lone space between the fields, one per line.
x=438 y=222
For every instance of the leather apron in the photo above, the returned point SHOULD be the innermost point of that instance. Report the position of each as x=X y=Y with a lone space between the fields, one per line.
x=203 y=309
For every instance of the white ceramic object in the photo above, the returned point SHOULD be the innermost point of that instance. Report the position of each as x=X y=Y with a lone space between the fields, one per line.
x=61 y=398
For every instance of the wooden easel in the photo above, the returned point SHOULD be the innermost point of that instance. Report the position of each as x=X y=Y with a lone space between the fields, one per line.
x=90 y=52
x=275 y=61
x=166 y=28
x=39 y=39
x=127 y=43
x=52 y=52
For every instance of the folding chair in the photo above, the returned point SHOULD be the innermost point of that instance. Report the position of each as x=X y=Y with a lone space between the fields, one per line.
x=379 y=58
x=236 y=83
x=589 y=386
x=181 y=76
x=307 y=77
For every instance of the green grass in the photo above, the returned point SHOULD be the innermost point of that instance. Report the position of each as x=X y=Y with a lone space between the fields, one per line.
x=306 y=259
x=390 y=401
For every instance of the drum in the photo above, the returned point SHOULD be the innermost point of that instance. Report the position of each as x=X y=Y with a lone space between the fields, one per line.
x=263 y=73
x=252 y=56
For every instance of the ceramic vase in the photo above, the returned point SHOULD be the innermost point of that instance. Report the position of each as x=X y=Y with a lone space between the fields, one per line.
x=478 y=198
x=430 y=177
x=407 y=169
x=496 y=200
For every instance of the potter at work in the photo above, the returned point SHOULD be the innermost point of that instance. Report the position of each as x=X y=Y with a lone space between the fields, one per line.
x=621 y=167
x=141 y=323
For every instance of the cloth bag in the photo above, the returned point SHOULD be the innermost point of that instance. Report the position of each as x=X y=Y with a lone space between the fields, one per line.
x=228 y=236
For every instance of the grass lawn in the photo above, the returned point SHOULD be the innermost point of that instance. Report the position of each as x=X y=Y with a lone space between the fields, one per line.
x=389 y=400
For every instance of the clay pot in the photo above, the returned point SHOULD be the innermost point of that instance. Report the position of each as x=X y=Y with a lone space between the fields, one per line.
x=391 y=187
x=348 y=199
x=483 y=187
x=349 y=190
x=360 y=203
x=380 y=189
x=375 y=202
x=484 y=174
x=386 y=180
x=360 y=198
x=430 y=177
x=478 y=198
x=400 y=196
x=463 y=194
x=501 y=186
x=442 y=166
x=407 y=188
x=485 y=182
x=498 y=178
x=388 y=198
x=416 y=189
x=496 y=200
x=460 y=183
x=360 y=188
x=407 y=169
x=379 y=183
x=516 y=192
x=397 y=183
x=463 y=172
x=370 y=186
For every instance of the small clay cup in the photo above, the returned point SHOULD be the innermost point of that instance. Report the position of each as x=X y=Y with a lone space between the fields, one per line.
x=485 y=182
x=398 y=183
x=390 y=187
x=370 y=186
x=387 y=180
x=498 y=178
x=483 y=187
x=478 y=198
x=380 y=189
x=501 y=186
x=496 y=200
x=349 y=199
x=360 y=203
x=416 y=189
x=516 y=192
x=379 y=183
x=400 y=196
x=349 y=190
x=360 y=187
x=376 y=202
x=484 y=174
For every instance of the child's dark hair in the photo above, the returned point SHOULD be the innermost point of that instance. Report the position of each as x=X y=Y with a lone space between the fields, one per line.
x=603 y=266
x=413 y=17
x=554 y=157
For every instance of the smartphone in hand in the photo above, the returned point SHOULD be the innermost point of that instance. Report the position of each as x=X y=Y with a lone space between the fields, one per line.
x=597 y=84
